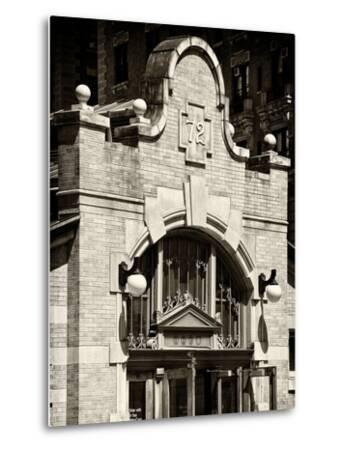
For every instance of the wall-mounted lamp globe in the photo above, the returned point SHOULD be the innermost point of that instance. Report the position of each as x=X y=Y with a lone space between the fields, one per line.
x=273 y=292
x=269 y=287
x=136 y=283
x=132 y=279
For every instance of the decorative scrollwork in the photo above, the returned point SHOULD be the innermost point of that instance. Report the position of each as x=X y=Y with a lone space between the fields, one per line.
x=235 y=308
x=179 y=299
x=201 y=266
x=131 y=341
x=188 y=298
x=220 y=341
x=152 y=343
x=169 y=262
x=136 y=342
x=141 y=341
x=229 y=342
x=172 y=302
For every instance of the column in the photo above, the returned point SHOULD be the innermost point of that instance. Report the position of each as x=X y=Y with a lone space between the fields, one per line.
x=239 y=389
x=191 y=385
x=166 y=397
x=246 y=401
x=219 y=395
x=273 y=388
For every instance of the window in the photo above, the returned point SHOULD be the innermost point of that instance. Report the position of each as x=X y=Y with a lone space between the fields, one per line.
x=120 y=61
x=227 y=306
x=185 y=264
x=240 y=86
x=137 y=400
x=243 y=143
x=152 y=40
x=229 y=398
x=282 y=72
x=259 y=79
x=178 y=269
x=282 y=136
x=292 y=359
x=259 y=148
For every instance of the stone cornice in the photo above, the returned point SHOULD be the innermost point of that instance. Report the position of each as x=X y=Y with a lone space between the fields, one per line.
x=89 y=119
x=104 y=195
x=269 y=160
x=265 y=219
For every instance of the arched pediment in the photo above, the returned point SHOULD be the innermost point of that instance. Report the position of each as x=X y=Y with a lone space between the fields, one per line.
x=158 y=85
x=163 y=60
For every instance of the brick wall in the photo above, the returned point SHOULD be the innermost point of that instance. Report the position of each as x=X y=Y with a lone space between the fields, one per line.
x=58 y=284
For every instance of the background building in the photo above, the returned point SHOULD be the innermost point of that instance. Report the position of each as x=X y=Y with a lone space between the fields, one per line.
x=118 y=171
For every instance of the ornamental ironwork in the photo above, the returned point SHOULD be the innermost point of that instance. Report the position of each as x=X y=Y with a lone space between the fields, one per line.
x=184 y=271
x=180 y=299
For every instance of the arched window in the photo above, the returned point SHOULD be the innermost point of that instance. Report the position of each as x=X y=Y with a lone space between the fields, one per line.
x=183 y=267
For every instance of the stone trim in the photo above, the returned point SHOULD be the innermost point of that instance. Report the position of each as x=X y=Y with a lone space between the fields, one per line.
x=89 y=119
x=105 y=195
x=79 y=355
x=58 y=315
x=58 y=395
x=265 y=219
x=269 y=160
x=273 y=353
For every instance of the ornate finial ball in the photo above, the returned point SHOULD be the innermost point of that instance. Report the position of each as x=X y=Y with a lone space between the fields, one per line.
x=82 y=93
x=231 y=129
x=270 y=140
x=139 y=107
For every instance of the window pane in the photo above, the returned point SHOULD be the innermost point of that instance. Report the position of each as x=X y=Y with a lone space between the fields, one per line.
x=185 y=269
x=137 y=400
x=229 y=399
x=227 y=306
x=292 y=359
x=121 y=67
x=178 y=397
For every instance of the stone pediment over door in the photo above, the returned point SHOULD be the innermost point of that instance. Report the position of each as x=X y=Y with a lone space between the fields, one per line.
x=187 y=327
x=188 y=317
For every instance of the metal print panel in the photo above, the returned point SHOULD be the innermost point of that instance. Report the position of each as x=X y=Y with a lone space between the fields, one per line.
x=172 y=221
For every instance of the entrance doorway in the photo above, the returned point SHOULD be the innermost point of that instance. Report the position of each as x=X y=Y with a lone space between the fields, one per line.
x=178 y=394
x=177 y=383
x=205 y=393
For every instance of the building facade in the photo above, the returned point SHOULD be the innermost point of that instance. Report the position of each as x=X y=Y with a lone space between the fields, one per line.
x=156 y=178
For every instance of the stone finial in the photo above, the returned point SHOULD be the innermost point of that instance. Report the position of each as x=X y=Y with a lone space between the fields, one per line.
x=83 y=94
x=139 y=107
x=270 y=141
x=231 y=129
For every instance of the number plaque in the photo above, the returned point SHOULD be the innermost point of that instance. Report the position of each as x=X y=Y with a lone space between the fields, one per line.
x=195 y=133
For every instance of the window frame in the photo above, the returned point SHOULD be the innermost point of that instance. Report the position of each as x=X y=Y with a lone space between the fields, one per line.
x=154 y=293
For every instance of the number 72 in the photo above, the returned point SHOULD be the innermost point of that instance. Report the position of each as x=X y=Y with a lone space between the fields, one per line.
x=196 y=129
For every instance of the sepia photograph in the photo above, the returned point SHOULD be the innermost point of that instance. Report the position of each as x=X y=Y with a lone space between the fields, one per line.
x=172 y=221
